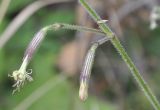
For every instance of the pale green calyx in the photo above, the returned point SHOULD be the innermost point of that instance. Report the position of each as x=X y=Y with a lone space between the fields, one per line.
x=83 y=90
x=21 y=75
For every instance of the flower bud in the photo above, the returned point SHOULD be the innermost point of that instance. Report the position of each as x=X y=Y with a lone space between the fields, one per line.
x=86 y=72
x=83 y=91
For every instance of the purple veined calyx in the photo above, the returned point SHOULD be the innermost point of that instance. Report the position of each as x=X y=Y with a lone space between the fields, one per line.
x=87 y=67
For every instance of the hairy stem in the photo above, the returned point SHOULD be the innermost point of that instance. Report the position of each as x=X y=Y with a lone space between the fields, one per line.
x=116 y=43
x=80 y=28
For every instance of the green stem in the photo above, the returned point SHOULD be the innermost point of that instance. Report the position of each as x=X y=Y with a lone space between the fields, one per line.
x=38 y=38
x=58 y=26
x=116 y=43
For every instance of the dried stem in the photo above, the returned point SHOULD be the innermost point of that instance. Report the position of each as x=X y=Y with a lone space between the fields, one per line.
x=20 y=19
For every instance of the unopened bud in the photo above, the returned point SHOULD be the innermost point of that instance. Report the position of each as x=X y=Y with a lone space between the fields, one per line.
x=83 y=91
x=86 y=72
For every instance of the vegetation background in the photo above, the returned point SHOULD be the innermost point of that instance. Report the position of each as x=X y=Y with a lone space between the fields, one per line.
x=57 y=64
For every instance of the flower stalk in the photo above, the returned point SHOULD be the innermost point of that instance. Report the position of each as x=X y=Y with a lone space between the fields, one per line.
x=21 y=75
x=116 y=43
x=86 y=72
x=87 y=67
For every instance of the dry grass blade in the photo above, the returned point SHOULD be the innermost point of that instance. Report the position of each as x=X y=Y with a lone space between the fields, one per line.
x=20 y=19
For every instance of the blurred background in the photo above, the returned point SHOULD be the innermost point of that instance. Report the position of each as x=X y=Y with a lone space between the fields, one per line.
x=57 y=64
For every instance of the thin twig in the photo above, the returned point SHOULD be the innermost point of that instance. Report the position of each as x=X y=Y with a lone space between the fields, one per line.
x=39 y=92
x=20 y=19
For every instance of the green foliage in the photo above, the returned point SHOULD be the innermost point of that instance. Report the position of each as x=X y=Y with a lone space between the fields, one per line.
x=64 y=96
